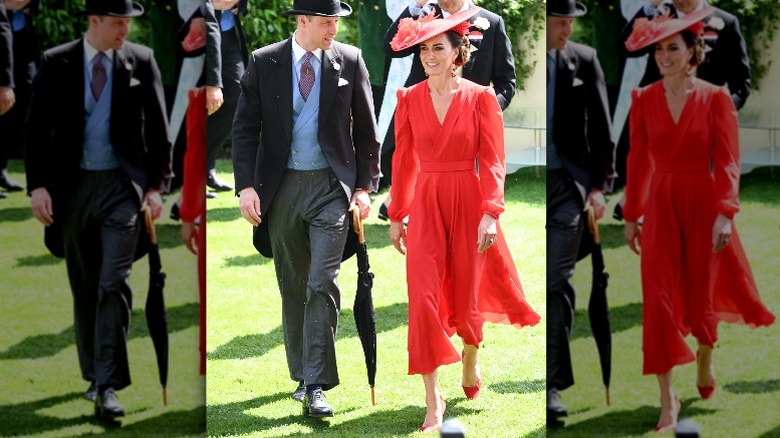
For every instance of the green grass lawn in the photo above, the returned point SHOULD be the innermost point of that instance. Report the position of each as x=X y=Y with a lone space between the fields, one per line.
x=746 y=401
x=41 y=387
x=248 y=383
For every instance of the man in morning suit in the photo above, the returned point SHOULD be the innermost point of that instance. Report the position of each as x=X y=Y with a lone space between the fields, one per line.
x=580 y=160
x=726 y=62
x=304 y=150
x=7 y=95
x=96 y=149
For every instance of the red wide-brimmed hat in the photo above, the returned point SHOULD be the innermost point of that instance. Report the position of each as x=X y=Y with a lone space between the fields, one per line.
x=412 y=32
x=647 y=32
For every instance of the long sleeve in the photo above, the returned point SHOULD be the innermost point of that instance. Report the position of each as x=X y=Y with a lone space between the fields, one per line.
x=405 y=161
x=492 y=160
x=640 y=163
x=246 y=128
x=158 y=143
x=6 y=50
x=503 y=77
x=213 y=46
x=599 y=130
x=364 y=135
x=193 y=201
x=726 y=153
x=738 y=78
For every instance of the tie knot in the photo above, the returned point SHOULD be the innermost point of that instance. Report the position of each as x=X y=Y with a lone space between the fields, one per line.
x=99 y=57
x=308 y=56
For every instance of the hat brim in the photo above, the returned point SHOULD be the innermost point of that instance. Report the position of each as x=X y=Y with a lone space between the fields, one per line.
x=579 y=11
x=667 y=28
x=437 y=27
x=345 y=10
x=138 y=10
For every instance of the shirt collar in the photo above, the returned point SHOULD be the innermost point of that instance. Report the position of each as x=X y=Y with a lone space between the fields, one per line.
x=553 y=53
x=701 y=6
x=299 y=52
x=91 y=52
x=466 y=5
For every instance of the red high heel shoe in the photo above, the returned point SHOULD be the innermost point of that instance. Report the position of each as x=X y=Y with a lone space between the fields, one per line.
x=436 y=427
x=675 y=413
x=470 y=391
x=705 y=391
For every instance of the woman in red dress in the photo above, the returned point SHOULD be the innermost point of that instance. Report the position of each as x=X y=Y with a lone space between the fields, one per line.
x=459 y=269
x=683 y=177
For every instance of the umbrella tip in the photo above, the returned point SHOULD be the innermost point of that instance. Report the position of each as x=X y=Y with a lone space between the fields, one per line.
x=608 y=401
x=165 y=396
x=373 y=396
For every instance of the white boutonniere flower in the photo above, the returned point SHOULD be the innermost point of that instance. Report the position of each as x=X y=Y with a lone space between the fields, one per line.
x=343 y=82
x=716 y=23
x=481 y=23
x=336 y=66
x=570 y=65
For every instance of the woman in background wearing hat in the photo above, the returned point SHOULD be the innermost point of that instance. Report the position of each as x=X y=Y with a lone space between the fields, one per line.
x=459 y=269
x=683 y=177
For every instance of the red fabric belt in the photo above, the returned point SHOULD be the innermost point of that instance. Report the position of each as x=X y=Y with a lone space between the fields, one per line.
x=682 y=166
x=447 y=166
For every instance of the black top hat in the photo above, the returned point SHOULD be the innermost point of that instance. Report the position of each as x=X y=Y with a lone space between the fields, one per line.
x=566 y=8
x=112 y=8
x=323 y=8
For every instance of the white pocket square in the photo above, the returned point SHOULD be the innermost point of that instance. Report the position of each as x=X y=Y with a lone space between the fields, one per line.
x=577 y=82
x=343 y=82
x=134 y=82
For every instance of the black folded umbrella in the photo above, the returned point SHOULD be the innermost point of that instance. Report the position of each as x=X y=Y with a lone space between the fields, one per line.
x=364 y=307
x=156 y=318
x=598 y=309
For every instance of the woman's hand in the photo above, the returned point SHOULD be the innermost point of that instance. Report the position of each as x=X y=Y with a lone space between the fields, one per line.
x=486 y=233
x=721 y=233
x=398 y=236
x=633 y=235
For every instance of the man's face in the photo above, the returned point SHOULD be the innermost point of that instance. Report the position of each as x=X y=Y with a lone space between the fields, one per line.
x=558 y=31
x=317 y=32
x=451 y=6
x=108 y=32
x=686 y=6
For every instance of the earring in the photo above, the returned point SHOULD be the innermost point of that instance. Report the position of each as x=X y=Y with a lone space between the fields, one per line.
x=453 y=71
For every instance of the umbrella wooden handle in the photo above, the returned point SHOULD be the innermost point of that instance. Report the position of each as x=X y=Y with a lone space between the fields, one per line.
x=593 y=224
x=357 y=223
x=149 y=220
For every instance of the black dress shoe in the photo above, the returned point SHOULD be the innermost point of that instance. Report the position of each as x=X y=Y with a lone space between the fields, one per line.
x=315 y=405
x=91 y=392
x=175 y=212
x=211 y=195
x=299 y=392
x=107 y=404
x=555 y=409
x=215 y=183
x=7 y=183
x=3 y=195
x=383 y=212
x=617 y=213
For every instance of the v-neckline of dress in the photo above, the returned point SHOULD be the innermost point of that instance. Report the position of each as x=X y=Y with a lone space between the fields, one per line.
x=676 y=123
x=449 y=108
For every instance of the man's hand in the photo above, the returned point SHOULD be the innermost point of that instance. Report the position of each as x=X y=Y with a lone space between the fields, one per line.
x=153 y=199
x=633 y=236
x=398 y=236
x=363 y=202
x=189 y=234
x=486 y=233
x=249 y=204
x=214 y=99
x=7 y=99
x=41 y=206
x=223 y=5
x=596 y=199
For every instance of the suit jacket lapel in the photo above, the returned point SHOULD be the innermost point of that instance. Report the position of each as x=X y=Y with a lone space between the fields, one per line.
x=283 y=74
x=329 y=83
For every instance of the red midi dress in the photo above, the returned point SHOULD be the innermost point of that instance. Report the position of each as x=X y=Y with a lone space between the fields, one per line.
x=680 y=177
x=451 y=287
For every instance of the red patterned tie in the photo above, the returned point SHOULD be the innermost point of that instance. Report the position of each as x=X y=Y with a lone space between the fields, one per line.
x=98 y=75
x=306 y=81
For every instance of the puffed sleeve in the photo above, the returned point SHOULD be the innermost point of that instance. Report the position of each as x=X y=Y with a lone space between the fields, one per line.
x=640 y=164
x=405 y=161
x=726 y=153
x=492 y=161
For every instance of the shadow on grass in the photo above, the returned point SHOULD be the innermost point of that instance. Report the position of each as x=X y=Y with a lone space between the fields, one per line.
x=225 y=214
x=623 y=422
x=169 y=236
x=17 y=214
x=519 y=387
x=246 y=261
x=233 y=419
x=39 y=260
x=773 y=433
x=755 y=387
x=24 y=419
x=759 y=186
x=621 y=318
x=34 y=347
x=255 y=345
x=524 y=186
